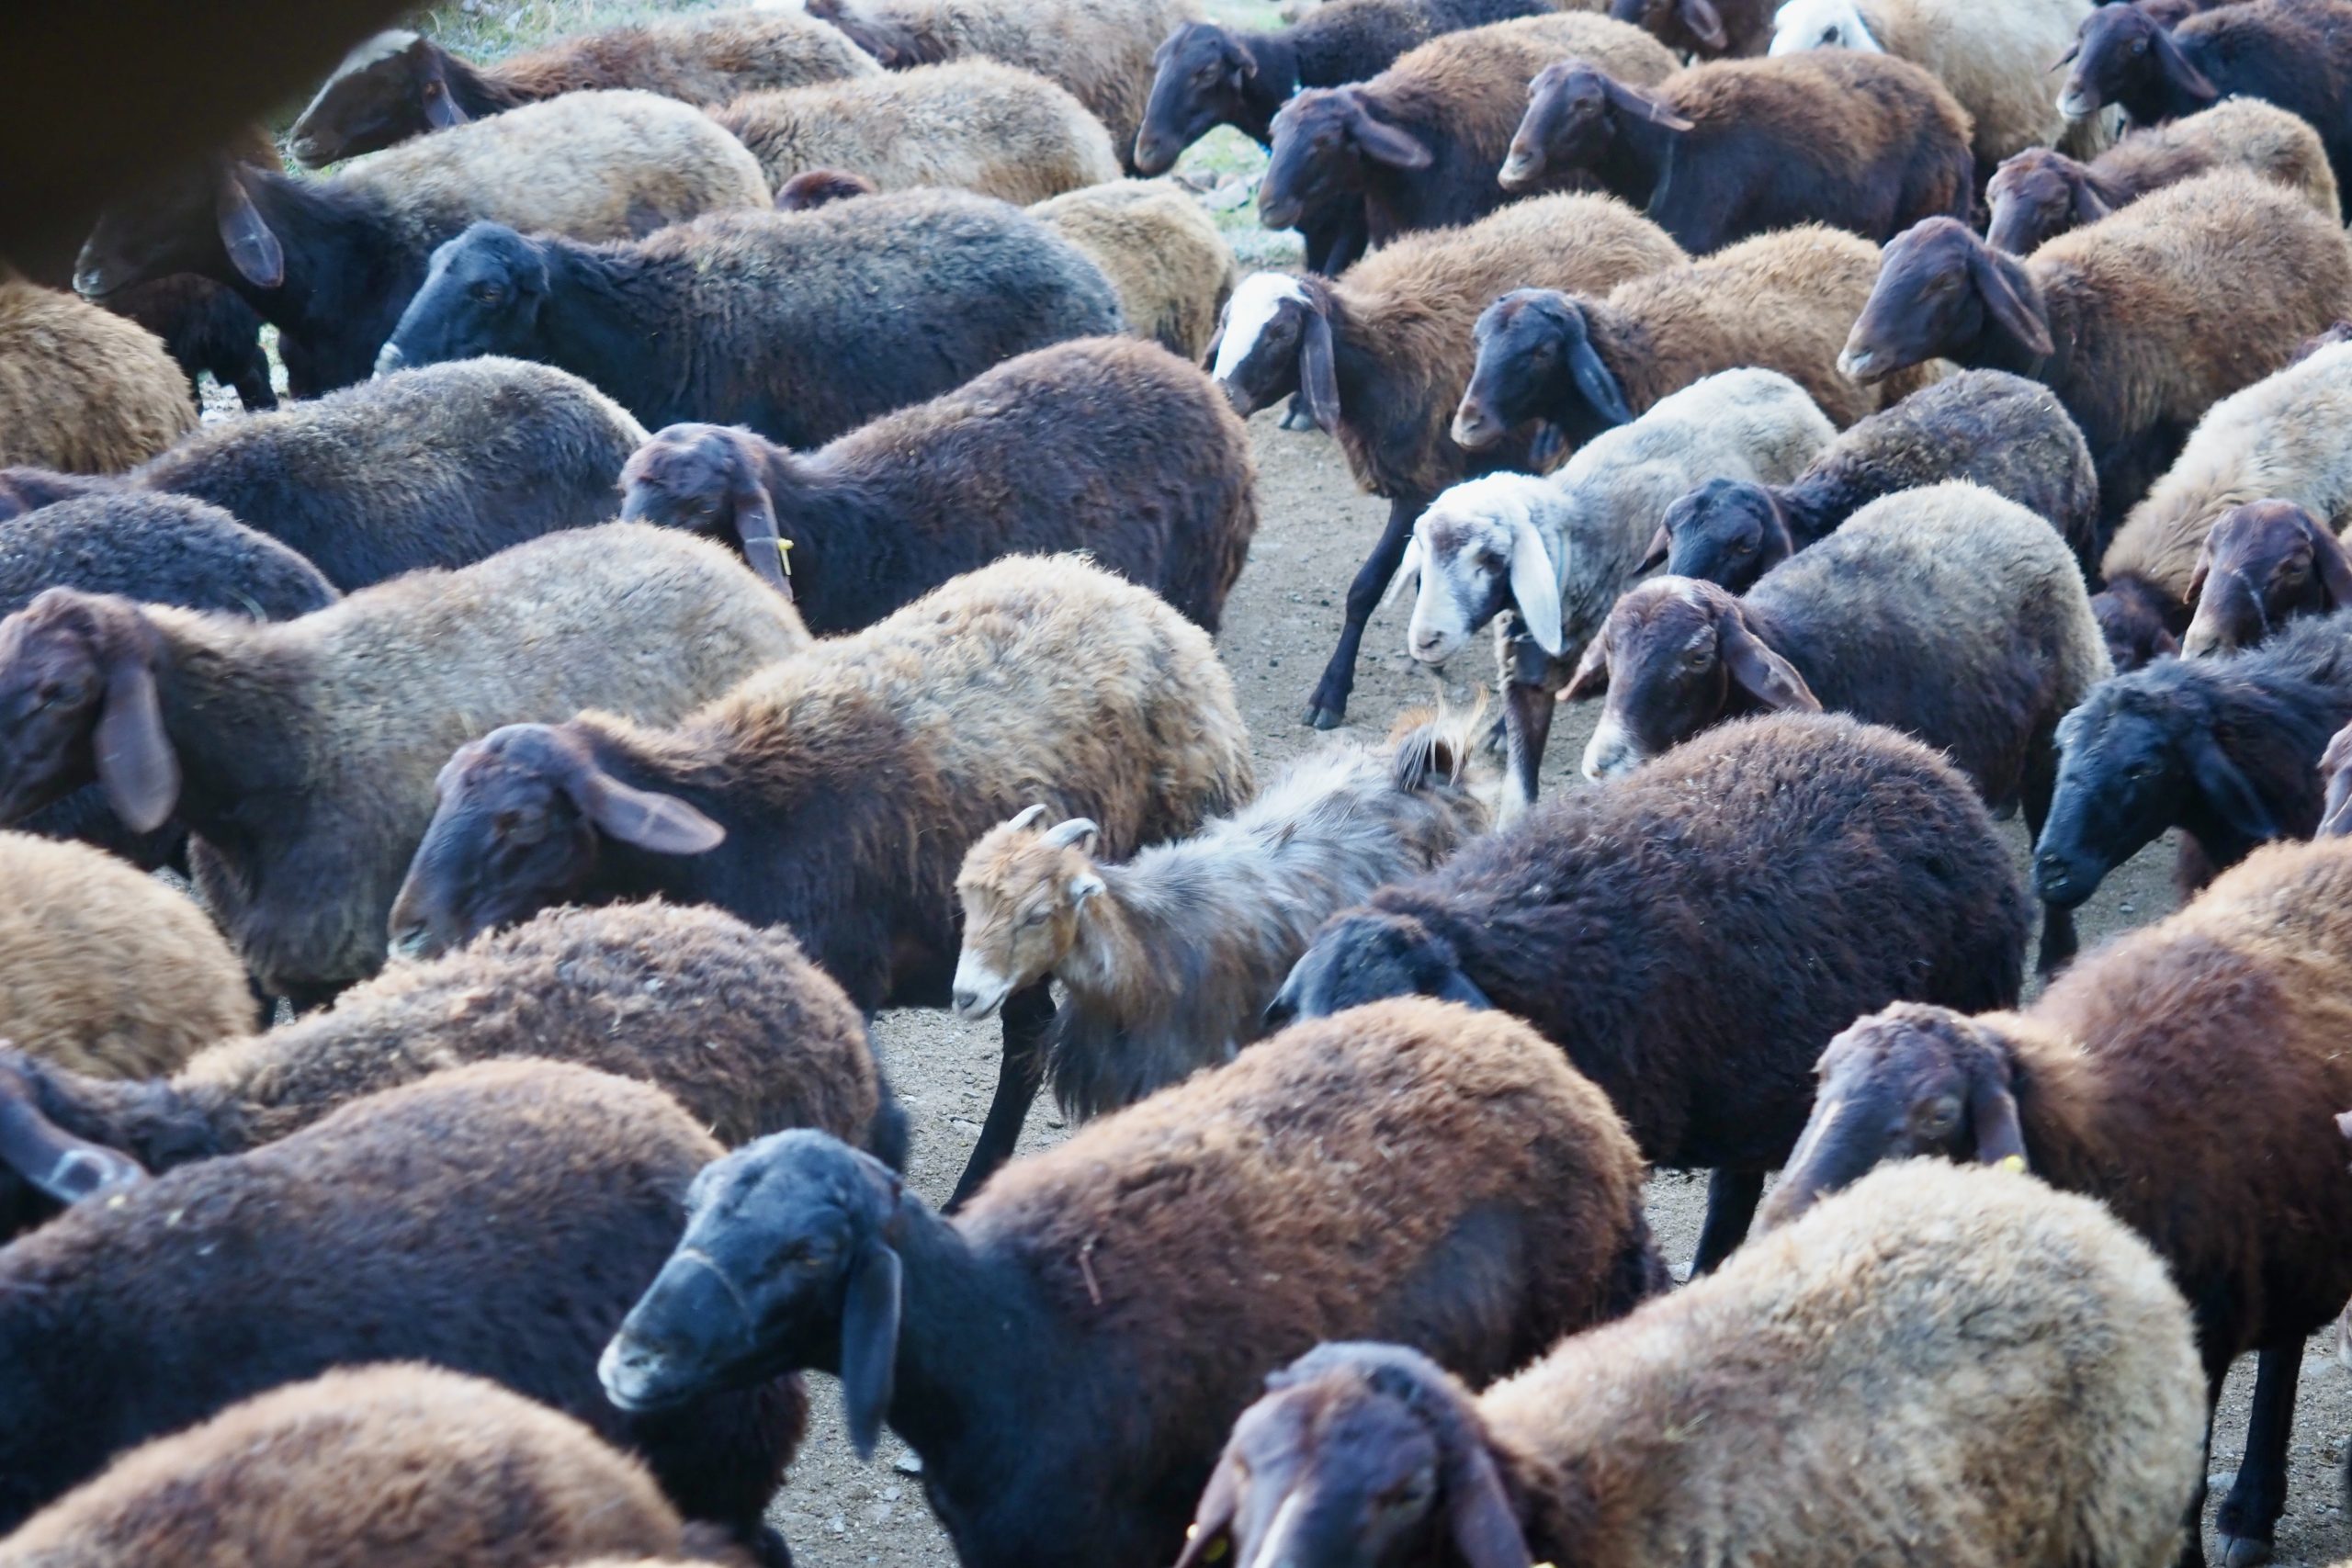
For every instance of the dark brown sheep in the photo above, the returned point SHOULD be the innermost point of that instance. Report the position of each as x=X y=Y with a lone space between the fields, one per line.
x=2262 y=564
x=1706 y=29
x=1411 y=1169
x=2182 y=1075
x=1718 y=152
x=204 y=327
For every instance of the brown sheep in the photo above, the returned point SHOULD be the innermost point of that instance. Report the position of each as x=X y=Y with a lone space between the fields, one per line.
x=2183 y=1075
x=2263 y=563
x=970 y=125
x=1160 y=250
x=400 y=1465
x=105 y=971
x=81 y=389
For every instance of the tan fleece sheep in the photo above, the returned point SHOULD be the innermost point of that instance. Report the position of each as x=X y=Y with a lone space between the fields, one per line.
x=1160 y=250
x=81 y=389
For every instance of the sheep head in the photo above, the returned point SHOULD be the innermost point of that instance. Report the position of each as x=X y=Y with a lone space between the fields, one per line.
x=1276 y=339
x=1803 y=24
x=1943 y=292
x=2139 y=622
x=1573 y=113
x=1023 y=888
x=480 y=295
x=1535 y=360
x=391 y=87
x=1692 y=26
x=1201 y=75
x=2261 y=564
x=708 y=479
x=2037 y=194
x=1326 y=143
x=1365 y=955
x=1728 y=532
x=2123 y=55
x=78 y=700
x=1477 y=551
x=204 y=221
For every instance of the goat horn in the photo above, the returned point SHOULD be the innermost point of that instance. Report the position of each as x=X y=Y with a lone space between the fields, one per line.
x=1073 y=831
x=1028 y=814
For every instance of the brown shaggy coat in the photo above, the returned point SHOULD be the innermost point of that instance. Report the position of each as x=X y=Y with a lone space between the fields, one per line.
x=1160 y=250
x=712 y=58
x=81 y=389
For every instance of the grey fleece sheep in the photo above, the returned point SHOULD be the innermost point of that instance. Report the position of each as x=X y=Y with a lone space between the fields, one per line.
x=1947 y=612
x=1160 y=250
x=302 y=754
x=80 y=388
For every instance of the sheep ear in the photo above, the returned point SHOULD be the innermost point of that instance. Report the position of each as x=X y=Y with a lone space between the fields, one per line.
x=2001 y=301
x=1992 y=1112
x=1649 y=105
x=2197 y=573
x=252 y=250
x=1382 y=143
x=1478 y=1516
x=2227 y=791
x=1705 y=23
x=1211 y=1537
x=2329 y=561
x=2090 y=205
x=2179 y=72
x=1319 y=375
x=65 y=1168
x=1535 y=585
x=1597 y=383
x=441 y=111
x=755 y=525
x=659 y=824
x=1661 y=547
x=1083 y=887
x=1762 y=673
x=1460 y=987
x=1591 y=677
x=1408 y=567
x=870 y=1343
x=136 y=765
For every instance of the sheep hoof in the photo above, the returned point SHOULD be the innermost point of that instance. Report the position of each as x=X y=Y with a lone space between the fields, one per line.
x=1324 y=716
x=2244 y=1551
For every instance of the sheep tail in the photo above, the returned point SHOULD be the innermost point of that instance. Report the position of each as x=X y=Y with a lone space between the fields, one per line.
x=1436 y=747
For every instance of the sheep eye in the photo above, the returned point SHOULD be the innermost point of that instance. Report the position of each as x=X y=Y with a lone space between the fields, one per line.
x=2141 y=773
x=1036 y=917
x=1939 y=1117
x=1697 y=659
x=2139 y=46
x=485 y=293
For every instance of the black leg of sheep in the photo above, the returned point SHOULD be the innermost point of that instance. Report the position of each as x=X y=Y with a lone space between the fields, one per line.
x=2249 y=1515
x=2059 y=942
x=1328 y=709
x=1027 y=1015
x=1732 y=1197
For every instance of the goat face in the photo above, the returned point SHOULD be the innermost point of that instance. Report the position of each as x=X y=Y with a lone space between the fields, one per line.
x=1021 y=890
x=482 y=295
x=1364 y=956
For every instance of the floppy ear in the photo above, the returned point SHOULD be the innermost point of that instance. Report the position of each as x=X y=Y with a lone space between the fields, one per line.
x=1535 y=585
x=1591 y=677
x=1318 y=376
x=1597 y=382
x=1661 y=546
x=870 y=1342
x=1477 y=1514
x=1705 y=23
x=65 y=1168
x=136 y=765
x=755 y=523
x=441 y=111
x=1212 y=1533
x=2179 y=72
x=1460 y=987
x=2329 y=561
x=2090 y=205
x=252 y=250
x=1649 y=105
x=1762 y=673
x=1408 y=567
x=1992 y=1112
x=660 y=824
x=2002 y=302
x=1382 y=143
x=2229 y=791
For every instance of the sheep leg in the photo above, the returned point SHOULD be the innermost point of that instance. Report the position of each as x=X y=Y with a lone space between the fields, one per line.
x=2249 y=1515
x=1732 y=1197
x=1027 y=1013
x=2058 y=939
x=1528 y=707
x=1328 y=709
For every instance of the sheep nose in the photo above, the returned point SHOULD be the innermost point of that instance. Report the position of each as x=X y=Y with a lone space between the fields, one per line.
x=2051 y=876
x=409 y=940
x=965 y=1000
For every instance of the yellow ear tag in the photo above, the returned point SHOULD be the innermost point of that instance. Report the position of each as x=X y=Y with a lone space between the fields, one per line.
x=2013 y=1162
x=783 y=555
x=1216 y=1553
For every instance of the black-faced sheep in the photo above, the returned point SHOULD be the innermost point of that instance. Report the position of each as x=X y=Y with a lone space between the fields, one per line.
x=332 y=263
x=1411 y=1168
x=730 y=1020
x=970 y=125
x=1167 y=962
x=1381 y=355
x=2226 y=750
x=2262 y=565
x=1418 y=145
x=1954 y=1367
x=81 y=389
x=301 y=754
x=104 y=971
x=203 y=327
x=1582 y=364
x=400 y=1466
x=1704 y=29
x=1737 y=148
x=1105 y=445
x=398 y=85
x=1160 y=250
x=1989 y=427
x=1711 y=861
x=2143 y=1077
x=1555 y=552
x=1949 y=613
x=2294 y=53
x=2038 y=194
x=835 y=793
x=2122 y=320
x=495 y=1220
x=801 y=325
x=2278 y=439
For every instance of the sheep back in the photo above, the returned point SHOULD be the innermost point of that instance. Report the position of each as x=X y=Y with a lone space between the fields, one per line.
x=710 y=59
x=2260 y=137
x=83 y=389
x=1160 y=250
x=1994 y=59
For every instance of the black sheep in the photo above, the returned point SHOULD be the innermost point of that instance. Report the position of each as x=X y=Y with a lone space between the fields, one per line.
x=1807 y=868
x=802 y=325
x=369 y=1237
x=204 y=327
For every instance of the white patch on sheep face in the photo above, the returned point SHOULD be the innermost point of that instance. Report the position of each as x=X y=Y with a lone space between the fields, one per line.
x=383 y=46
x=980 y=990
x=1255 y=305
x=1802 y=24
x=1613 y=750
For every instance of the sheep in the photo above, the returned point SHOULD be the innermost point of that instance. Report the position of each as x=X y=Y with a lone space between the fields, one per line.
x=1723 y=152
x=1420 y=144
x=1555 y=552
x=2122 y=320
x=1712 y=860
x=2037 y=194
x=26 y=488
x=1167 y=962
x=1160 y=250
x=332 y=263
x=1950 y=1367
x=203 y=327
x=1413 y=1165
x=1380 y=356
x=1103 y=445
x=851 y=779
x=301 y=754
x=104 y=971
x=1948 y=612
x=2287 y=52
x=972 y=124
x=2145 y=1078
x=1098 y=51
x=1705 y=29
x=495 y=1220
x=2263 y=564
x=2280 y=438
x=801 y=325
x=1993 y=60
x=398 y=1466
x=397 y=85
x=81 y=389
x=1581 y=364
x=732 y=1022
x=2225 y=749
x=1991 y=428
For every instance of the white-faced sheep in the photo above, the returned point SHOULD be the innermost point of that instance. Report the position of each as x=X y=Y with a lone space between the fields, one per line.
x=1949 y=612
x=1160 y=250
x=332 y=263
x=1411 y=1168
x=1167 y=961
x=80 y=388
x=301 y=754
x=836 y=791
x=1961 y=1368
x=1555 y=552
